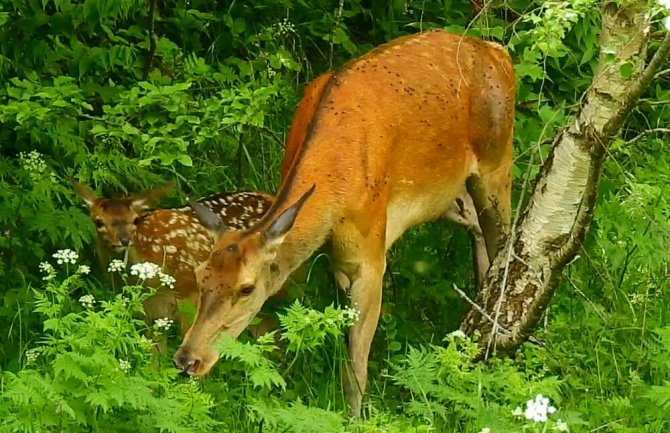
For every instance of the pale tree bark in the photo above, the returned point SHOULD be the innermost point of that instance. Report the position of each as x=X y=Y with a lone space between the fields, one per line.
x=550 y=231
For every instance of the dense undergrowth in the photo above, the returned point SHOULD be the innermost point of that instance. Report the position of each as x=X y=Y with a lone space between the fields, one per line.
x=211 y=113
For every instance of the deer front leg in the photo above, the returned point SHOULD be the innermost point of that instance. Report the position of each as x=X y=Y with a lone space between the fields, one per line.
x=366 y=297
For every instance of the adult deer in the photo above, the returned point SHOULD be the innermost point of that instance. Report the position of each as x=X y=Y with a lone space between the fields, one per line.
x=415 y=130
x=171 y=238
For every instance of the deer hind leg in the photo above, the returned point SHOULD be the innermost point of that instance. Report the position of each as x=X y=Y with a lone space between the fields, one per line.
x=464 y=212
x=491 y=195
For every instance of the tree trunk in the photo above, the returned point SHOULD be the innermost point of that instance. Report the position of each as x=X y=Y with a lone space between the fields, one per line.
x=550 y=231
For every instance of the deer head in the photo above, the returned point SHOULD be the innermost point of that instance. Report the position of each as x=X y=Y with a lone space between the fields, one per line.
x=240 y=274
x=116 y=219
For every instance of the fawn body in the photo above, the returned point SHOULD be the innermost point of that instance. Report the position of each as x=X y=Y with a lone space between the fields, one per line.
x=417 y=129
x=171 y=238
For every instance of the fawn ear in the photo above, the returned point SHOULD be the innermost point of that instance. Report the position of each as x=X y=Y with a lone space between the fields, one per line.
x=85 y=193
x=284 y=222
x=144 y=199
x=207 y=218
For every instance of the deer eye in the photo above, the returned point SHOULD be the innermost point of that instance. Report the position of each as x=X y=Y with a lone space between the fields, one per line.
x=136 y=221
x=247 y=289
x=98 y=223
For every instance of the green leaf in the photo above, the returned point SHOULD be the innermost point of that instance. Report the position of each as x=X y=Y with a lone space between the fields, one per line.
x=626 y=69
x=185 y=160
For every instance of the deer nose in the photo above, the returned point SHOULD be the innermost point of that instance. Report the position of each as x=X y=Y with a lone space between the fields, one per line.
x=124 y=240
x=185 y=362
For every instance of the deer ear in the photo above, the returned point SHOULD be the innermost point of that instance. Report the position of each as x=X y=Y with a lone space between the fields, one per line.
x=85 y=193
x=143 y=200
x=284 y=222
x=207 y=218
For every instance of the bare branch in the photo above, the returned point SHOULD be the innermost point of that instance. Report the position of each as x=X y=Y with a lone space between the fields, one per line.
x=646 y=133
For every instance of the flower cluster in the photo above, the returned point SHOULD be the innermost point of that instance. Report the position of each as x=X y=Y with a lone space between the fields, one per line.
x=537 y=409
x=145 y=343
x=145 y=270
x=116 y=265
x=84 y=270
x=163 y=323
x=33 y=163
x=561 y=425
x=148 y=270
x=65 y=256
x=457 y=334
x=666 y=5
x=48 y=269
x=166 y=280
x=124 y=365
x=284 y=27
x=87 y=301
x=31 y=355
x=350 y=315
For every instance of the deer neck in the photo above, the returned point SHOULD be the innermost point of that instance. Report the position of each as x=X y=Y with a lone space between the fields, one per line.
x=312 y=226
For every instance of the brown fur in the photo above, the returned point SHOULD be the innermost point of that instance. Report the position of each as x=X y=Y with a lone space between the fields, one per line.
x=171 y=238
x=390 y=143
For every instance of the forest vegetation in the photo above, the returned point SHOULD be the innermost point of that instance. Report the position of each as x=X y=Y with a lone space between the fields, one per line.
x=126 y=95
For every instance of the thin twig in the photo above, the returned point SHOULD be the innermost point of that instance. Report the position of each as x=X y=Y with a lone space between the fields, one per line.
x=153 y=41
x=647 y=132
x=332 y=36
x=467 y=299
x=583 y=295
x=480 y=309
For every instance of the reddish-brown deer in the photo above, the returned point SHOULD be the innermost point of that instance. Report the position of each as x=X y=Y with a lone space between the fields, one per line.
x=171 y=238
x=417 y=129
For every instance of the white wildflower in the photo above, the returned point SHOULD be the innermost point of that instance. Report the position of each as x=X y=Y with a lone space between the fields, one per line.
x=87 y=301
x=116 y=265
x=48 y=269
x=284 y=27
x=351 y=315
x=458 y=334
x=124 y=365
x=561 y=425
x=145 y=343
x=66 y=256
x=145 y=271
x=666 y=23
x=163 y=323
x=166 y=280
x=664 y=3
x=31 y=355
x=33 y=162
x=538 y=409
x=84 y=270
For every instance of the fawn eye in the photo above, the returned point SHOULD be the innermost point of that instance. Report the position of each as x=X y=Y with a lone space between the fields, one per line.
x=98 y=223
x=136 y=221
x=247 y=289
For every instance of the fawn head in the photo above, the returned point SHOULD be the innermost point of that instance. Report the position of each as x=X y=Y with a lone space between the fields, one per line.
x=234 y=282
x=116 y=219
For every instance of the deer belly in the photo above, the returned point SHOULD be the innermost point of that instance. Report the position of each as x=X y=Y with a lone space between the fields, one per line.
x=407 y=211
